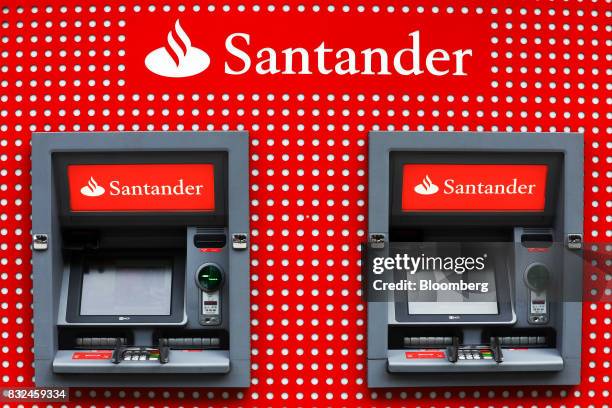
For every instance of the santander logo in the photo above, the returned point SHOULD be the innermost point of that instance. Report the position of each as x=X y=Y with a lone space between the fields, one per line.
x=178 y=58
x=474 y=187
x=427 y=187
x=451 y=186
x=142 y=187
x=92 y=189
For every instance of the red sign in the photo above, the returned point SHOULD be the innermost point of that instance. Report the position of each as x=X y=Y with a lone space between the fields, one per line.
x=418 y=50
x=141 y=187
x=474 y=187
x=92 y=355
x=425 y=354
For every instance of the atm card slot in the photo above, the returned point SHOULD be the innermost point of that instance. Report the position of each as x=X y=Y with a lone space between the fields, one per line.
x=209 y=240
x=537 y=240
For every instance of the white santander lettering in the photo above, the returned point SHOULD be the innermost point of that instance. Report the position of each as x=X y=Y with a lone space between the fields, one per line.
x=344 y=61
x=459 y=54
x=431 y=58
x=415 y=51
x=238 y=53
x=513 y=188
x=114 y=186
x=178 y=189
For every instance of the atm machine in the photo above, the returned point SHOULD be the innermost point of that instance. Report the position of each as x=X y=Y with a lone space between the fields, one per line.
x=140 y=259
x=510 y=207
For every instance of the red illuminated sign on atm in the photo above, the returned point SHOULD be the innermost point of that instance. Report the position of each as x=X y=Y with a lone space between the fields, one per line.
x=141 y=187
x=474 y=187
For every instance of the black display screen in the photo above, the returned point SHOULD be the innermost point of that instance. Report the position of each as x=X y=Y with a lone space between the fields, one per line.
x=127 y=287
x=454 y=282
x=449 y=293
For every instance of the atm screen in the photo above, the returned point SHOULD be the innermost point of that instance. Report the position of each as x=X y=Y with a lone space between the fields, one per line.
x=449 y=293
x=127 y=287
x=436 y=187
x=159 y=187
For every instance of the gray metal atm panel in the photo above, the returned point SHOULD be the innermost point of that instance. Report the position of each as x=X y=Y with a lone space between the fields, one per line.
x=205 y=362
x=381 y=144
x=153 y=379
x=380 y=377
x=48 y=266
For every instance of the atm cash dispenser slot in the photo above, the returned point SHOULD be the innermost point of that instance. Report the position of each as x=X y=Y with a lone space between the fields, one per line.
x=513 y=197
x=138 y=283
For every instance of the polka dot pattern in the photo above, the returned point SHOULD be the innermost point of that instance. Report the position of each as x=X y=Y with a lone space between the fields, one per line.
x=68 y=67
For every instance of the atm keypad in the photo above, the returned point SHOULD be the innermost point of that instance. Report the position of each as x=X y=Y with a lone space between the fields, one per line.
x=140 y=355
x=538 y=307
x=210 y=309
x=475 y=354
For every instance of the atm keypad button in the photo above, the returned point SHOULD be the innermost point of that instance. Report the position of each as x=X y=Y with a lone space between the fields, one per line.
x=475 y=354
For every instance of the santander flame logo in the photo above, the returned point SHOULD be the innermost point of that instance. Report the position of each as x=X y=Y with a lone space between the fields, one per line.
x=427 y=187
x=92 y=189
x=177 y=59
